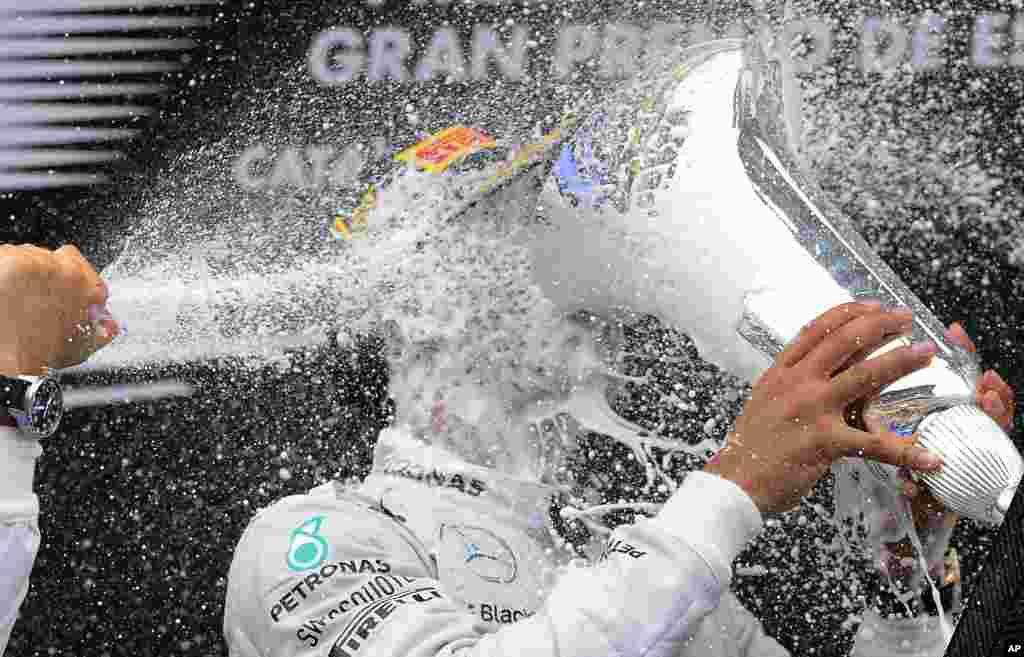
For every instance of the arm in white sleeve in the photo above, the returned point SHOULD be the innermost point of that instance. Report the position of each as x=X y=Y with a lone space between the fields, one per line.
x=645 y=599
x=19 y=524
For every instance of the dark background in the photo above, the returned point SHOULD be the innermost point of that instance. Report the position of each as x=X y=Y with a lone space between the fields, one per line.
x=142 y=504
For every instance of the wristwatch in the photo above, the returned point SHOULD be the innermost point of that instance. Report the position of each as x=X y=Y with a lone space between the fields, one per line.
x=36 y=403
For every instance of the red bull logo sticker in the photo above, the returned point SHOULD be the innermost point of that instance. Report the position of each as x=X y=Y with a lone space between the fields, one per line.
x=436 y=153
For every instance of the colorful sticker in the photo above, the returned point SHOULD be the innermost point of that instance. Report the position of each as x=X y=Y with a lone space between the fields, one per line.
x=437 y=152
x=453 y=151
x=345 y=227
x=582 y=176
x=525 y=155
x=307 y=549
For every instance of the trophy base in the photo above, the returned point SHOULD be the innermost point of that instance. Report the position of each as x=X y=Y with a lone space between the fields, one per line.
x=899 y=637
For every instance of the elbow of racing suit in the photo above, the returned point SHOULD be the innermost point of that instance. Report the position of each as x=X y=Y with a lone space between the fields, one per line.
x=646 y=597
x=19 y=524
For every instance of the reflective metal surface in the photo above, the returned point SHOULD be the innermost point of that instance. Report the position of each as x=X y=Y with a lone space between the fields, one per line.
x=683 y=197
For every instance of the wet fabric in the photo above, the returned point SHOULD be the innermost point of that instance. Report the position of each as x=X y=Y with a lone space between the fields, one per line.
x=432 y=557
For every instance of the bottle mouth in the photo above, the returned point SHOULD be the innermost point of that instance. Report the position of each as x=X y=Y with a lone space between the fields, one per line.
x=982 y=467
x=1002 y=506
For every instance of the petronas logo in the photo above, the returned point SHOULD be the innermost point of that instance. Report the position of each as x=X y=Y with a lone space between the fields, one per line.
x=307 y=548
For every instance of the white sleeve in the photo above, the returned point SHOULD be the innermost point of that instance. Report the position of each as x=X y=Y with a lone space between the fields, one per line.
x=661 y=577
x=19 y=526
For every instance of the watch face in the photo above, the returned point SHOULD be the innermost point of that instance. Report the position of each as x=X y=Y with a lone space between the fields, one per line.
x=47 y=407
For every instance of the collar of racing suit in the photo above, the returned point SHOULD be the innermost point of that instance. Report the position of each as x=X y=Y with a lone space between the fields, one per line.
x=399 y=456
x=586 y=410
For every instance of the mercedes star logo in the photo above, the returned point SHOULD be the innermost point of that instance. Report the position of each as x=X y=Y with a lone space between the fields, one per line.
x=484 y=553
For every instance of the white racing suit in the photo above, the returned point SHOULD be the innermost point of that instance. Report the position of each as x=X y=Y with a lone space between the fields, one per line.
x=19 y=523
x=431 y=557
x=435 y=557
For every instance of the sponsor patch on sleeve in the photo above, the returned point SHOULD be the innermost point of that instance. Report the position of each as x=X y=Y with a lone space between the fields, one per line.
x=616 y=546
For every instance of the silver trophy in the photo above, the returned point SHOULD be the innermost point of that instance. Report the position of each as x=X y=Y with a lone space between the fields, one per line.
x=682 y=196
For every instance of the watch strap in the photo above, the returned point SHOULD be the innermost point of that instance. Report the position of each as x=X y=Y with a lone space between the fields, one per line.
x=12 y=393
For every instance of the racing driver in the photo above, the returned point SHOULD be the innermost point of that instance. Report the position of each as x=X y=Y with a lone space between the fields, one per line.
x=438 y=553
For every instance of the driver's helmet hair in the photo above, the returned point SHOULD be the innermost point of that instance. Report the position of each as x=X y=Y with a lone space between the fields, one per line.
x=466 y=312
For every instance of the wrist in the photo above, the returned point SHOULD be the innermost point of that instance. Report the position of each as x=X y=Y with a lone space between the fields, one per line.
x=730 y=465
x=714 y=517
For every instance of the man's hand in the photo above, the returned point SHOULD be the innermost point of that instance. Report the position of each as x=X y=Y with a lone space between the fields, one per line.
x=50 y=309
x=794 y=425
x=994 y=395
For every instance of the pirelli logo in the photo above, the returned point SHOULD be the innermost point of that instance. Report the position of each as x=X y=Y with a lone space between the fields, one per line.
x=371 y=617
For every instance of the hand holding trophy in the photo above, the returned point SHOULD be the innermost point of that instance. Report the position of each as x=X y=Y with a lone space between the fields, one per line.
x=693 y=207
